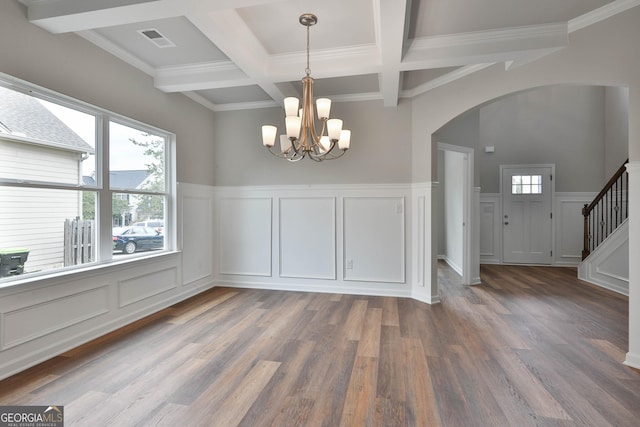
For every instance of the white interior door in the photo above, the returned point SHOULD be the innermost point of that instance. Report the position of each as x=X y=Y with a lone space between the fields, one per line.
x=527 y=214
x=458 y=202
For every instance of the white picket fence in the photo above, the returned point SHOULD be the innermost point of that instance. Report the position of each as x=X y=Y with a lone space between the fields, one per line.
x=79 y=237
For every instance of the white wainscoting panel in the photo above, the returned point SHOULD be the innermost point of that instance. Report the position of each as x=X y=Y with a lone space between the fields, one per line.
x=419 y=239
x=43 y=316
x=312 y=229
x=608 y=265
x=490 y=229
x=475 y=238
x=245 y=233
x=569 y=225
x=197 y=236
x=308 y=237
x=39 y=319
x=374 y=239
x=141 y=287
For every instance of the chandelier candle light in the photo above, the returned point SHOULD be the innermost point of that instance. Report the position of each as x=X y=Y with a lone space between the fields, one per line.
x=302 y=139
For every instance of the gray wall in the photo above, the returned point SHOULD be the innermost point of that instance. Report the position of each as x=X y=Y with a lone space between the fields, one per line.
x=561 y=124
x=463 y=131
x=77 y=68
x=556 y=124
x=616 y=128
x=380 y=148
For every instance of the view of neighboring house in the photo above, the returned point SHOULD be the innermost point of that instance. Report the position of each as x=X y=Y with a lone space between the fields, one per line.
x=125 y=209
x=36 y=145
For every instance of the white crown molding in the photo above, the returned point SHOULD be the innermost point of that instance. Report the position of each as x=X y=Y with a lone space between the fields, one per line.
x=357 y=97
x=529 y=57
x=117 y=51
x=325 y=63
x=483 y=46
x=201 y=100
x=443 y=80
x=210 y=75
x=475 y=38
x=246 y=105
x=602 y=13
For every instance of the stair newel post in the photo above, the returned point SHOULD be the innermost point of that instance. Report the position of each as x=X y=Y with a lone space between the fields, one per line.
x=585 y=246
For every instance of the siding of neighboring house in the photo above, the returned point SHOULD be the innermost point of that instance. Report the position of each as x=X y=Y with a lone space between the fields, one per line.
x=34 y=218
x=32 y=162
x=29 y=225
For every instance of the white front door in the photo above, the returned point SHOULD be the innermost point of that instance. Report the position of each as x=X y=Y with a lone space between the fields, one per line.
x=527 y=213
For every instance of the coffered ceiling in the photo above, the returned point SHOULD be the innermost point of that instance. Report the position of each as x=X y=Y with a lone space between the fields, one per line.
x=236 y=54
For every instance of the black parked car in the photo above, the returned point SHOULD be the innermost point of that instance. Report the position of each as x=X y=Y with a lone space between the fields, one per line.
x=131 y=239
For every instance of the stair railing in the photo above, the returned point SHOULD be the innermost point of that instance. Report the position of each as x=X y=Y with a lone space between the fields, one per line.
x=607 y=211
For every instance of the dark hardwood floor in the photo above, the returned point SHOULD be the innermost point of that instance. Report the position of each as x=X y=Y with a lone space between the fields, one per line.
x=531 y=346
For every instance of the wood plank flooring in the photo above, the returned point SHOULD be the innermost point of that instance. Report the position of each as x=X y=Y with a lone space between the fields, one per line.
x=531 y=346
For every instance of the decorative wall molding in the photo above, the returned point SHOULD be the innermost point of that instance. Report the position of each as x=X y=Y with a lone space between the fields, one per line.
x=490 y=229
x=307 y=222
x=29 y=322
x=608 y=265
x=359 y=235
x=569 y=227
x=245 y=230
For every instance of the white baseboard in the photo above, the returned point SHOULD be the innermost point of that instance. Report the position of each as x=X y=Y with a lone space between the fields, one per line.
x=632 y=360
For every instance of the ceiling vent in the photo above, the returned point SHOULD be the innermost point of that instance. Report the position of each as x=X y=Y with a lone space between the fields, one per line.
x=155 y=37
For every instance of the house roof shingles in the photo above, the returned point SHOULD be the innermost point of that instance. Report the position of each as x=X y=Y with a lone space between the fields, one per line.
x=121 y=179
x=24 y=115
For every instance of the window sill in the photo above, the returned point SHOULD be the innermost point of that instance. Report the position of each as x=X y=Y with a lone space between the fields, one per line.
x=84 y=270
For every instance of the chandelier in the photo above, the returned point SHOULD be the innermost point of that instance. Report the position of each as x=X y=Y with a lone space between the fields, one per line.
x=302 y=139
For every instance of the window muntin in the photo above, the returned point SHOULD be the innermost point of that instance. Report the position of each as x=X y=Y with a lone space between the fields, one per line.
x=526 y=184
x=36 y=203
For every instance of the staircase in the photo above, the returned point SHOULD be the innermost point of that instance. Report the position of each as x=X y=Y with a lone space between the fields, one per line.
x=605 y=255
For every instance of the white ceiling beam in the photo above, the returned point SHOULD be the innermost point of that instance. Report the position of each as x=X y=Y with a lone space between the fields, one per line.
x=117 y=51
x=390 y=25
x=483 y=46
x=443 y=80
x=350 y=61
x=230 y=34
x=212 y=75
x=528 y=58
x=602 y=13
x=63 y=16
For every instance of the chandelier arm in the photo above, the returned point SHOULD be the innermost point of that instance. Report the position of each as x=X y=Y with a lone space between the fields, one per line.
x=294 y=156
x=332 y=156
x=289 y=154
x=299 y=147
x=281 y=154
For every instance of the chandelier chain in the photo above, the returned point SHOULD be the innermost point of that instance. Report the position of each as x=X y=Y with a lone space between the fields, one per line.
x=308 y=69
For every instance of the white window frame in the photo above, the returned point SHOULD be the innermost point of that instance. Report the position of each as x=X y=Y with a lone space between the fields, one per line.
x=104 y=253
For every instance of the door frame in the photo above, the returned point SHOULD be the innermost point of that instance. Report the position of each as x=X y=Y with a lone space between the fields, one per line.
x=553 y=205
x=468 y=249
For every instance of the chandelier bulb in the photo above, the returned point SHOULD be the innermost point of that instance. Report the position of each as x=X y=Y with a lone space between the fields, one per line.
x=269 y=135
x=291 y=106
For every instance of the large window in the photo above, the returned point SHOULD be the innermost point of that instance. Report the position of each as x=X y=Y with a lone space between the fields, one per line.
x=68 y=173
